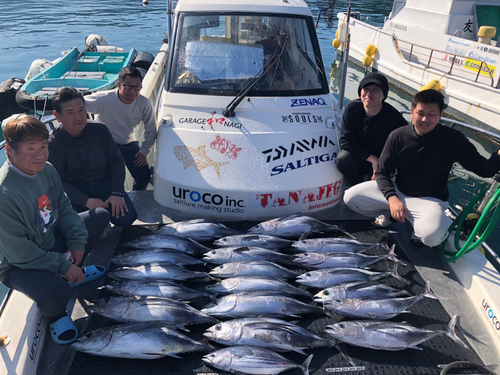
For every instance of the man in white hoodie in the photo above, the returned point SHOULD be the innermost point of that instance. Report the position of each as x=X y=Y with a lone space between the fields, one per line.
x=122 y=110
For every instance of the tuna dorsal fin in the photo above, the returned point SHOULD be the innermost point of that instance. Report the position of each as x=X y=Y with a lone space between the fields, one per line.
x=305 y=365
x=288 y=217
x=451 y=332
x=392 y=256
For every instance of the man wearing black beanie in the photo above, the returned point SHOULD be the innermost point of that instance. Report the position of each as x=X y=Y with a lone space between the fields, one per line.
x=366 y=124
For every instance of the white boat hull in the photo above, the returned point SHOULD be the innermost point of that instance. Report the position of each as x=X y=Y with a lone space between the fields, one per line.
x=477 y=103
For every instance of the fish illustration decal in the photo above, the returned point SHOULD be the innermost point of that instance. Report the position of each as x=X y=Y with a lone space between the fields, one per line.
x=196 y=157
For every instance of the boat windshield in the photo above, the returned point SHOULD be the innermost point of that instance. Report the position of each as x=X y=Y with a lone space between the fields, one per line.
x=221 y=54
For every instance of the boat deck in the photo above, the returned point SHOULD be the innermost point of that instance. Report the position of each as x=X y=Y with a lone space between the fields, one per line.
x=422 y=264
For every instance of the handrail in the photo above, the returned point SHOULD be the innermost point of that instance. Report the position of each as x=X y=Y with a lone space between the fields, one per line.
x=411 y=53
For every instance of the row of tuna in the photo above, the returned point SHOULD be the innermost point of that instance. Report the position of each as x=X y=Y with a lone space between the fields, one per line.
x=250 y=290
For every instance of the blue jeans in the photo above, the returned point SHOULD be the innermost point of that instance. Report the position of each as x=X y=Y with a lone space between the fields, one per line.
x=50 y=291
x=102 y=189
x=142 y=174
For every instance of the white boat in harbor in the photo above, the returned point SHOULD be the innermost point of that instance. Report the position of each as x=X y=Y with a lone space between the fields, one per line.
x=265 y=129
x=426 y=41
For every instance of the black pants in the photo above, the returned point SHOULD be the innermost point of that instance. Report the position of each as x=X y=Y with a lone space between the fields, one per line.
x=50 y=291
x=352 y=167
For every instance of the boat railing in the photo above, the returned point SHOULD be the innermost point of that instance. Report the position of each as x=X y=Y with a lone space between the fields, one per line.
x=451 y=64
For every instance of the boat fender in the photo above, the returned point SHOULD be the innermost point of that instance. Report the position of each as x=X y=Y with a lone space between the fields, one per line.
x=37 y=66
x=143 y=60
x=94 y=40
x=107 y=49
x=370 y=53
x=8 y=104
x=485 y=33
x=340 y=35
x=433 y=84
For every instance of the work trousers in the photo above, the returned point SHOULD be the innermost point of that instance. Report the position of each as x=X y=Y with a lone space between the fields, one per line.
x=353 y=168
x=142 y=174
x=102 y=189
x=426 y=214
x=50 y=291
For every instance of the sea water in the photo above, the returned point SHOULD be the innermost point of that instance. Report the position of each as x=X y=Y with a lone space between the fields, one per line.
x=32 y=30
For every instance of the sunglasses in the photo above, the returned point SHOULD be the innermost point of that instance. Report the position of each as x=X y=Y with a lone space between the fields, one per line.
x=366 y=124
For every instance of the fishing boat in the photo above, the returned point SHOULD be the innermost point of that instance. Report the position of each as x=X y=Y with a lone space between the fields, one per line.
x=88 y=71
x=471 y=282
x=451 y=45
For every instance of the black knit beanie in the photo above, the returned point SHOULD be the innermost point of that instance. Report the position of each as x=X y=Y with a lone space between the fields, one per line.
x=375 y=79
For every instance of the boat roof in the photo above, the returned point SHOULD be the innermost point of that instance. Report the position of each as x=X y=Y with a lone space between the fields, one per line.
x=295 y=7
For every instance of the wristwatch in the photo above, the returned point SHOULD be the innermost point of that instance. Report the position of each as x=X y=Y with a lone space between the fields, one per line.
x=117 y=194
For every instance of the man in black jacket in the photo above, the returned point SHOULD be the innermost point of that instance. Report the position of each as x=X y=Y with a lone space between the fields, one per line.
x=413 y=169
x=88 y=160
x=366 y=124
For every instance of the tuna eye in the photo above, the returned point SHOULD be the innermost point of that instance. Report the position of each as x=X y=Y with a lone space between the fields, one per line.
x=308 y=274
x=326 y=293
x=337 y=300
x=341 y=325
x=213 y=252
x=218 y=327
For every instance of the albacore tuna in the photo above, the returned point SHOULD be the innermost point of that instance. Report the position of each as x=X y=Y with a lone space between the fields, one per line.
x=255 y=283
x=263 y=303
x=156 y=271
x=384 y=308
x=168 y=241
x=333 y=276
x=137 y=341
x=149 y=309
x=198 y=229
x=330 y=245
x=359 y=289
x=342 y=260
x=294 y=226
x=244 y=253
x=257 y=268
x=253 y=240
x=164 y=256
x=165 y=289
x=253 y=360
x=274 y=334
x=387 y=335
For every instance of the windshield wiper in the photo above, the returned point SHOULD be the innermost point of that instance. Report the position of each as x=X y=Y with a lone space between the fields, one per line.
x=261 y=74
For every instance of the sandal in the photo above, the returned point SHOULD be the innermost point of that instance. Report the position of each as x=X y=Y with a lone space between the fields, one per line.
x=91 y=273
x=383 y=221
x=63 y=331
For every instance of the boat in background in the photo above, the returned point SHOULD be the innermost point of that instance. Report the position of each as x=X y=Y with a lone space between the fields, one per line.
x=450 y=45
x=94 y=69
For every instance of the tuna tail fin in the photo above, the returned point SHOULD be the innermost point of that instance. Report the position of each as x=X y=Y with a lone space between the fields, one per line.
x=428 y=293
x=392 y=256
x=341 y=348
x=305 y=365
x=395 y=274
x=451 y=332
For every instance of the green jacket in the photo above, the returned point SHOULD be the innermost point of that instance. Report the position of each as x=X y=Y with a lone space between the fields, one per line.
x=30 y=209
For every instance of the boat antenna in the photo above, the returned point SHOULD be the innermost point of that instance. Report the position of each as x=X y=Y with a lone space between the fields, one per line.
x=170 y=12
x=345 y=59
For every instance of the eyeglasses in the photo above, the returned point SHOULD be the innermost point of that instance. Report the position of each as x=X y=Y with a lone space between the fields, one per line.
x=366 y=124
x=130 y=87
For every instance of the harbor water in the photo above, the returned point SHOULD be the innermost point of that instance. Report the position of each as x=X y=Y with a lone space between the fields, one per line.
x=32 y=30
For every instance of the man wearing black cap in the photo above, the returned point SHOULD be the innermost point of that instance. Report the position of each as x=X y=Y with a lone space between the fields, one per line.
x=366 y=124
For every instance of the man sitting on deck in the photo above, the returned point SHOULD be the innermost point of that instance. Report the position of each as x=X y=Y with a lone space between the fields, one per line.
x=420 y=156
x=88 y=160
x=39 y=227
x=366 y=124
x=122 y=110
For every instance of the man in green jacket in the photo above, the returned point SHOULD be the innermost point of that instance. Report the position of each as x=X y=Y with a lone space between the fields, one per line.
x=39 y=227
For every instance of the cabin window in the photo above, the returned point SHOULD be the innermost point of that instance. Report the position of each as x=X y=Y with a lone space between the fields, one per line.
x=221 y=54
